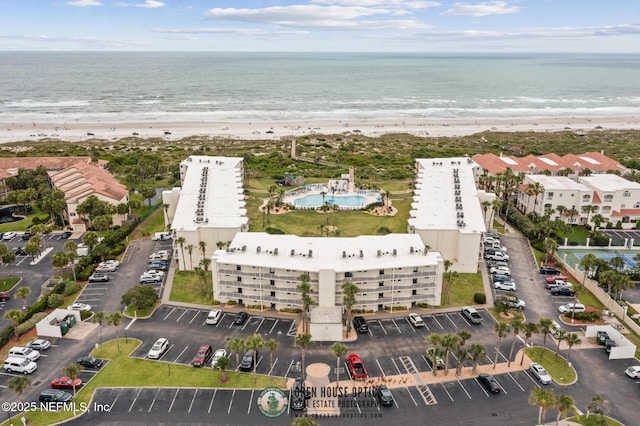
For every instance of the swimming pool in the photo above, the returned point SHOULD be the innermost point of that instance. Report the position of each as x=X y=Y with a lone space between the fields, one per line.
x=315 y=200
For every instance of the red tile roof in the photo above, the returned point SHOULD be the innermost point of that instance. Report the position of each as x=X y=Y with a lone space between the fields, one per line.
x=626 y=212
x=83 y=179
x=552 y=162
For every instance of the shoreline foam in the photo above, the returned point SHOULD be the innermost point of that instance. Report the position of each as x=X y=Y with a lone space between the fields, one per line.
x=273 y=130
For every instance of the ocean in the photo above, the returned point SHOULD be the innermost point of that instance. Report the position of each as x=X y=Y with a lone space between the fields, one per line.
x=171 y=87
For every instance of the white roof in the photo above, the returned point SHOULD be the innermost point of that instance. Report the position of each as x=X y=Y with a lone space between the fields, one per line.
x=509 y=161
x=590 y=160
x=211 y=194
x=341 y=254
x=435 y=200
x=556 y=183
x=609 y=182
x=548 y=161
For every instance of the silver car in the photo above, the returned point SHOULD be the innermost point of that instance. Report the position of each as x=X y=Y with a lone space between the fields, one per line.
x=540 y=373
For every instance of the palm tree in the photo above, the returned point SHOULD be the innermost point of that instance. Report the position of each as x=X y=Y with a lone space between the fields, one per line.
x=203 y=247
x=447 y=279
x=560 y=338
x=23 y=293
x=564 y=404
x=485 y=207
x=434 y=351
x=529 y=328
x=70 y=248
x=304 y=421
x=463 y=335
x=449 y=342
x=234 y=346
x=16 y=317
x=303 y=340
x=339 y=350
x=115 y=319
x=598 y=220
x=272 y=345
x=349 y=290
x=19 y=385
x=190 y=249
x=222 y=364
x=99 y=318
x=515 y=327
x=462 y=355
x=588 y=209
x=550 y=247
x=476 y=351
x=501 y=329
x=544 y=327
x=72 y=371
x=180 y=241
x=305 y=288
x=571 y=339
x=254 y=342
x=59 y=260
x=544 y=399
x=588 y=262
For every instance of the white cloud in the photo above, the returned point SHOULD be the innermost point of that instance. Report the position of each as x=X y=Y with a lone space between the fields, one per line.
x=413 y=4
x=83 y=3
x=481 y=9
x=150 y=4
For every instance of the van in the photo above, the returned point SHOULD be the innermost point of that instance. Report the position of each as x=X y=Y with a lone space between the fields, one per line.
x=161 y=236
x=19 y=365
x=555 y=330
x=360 y=324
x=22 y=352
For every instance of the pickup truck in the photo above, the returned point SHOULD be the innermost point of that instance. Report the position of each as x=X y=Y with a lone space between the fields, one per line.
x=356 y=367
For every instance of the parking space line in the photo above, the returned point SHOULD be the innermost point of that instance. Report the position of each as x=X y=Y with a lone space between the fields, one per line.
x=250 y=401
x=464 y=319
x=221 y=318
x=273 y=326
x=194 y=317
x=427 y=362
x=170 y=312
x=212 y=398
x=180 y=317
x=501 y=387
x=357 y=405
x=382 y=327
x=113 y=404
x=396 y=324
x=451 y=321
x=174 y=399
x=261 y=322
x=231 y=402
x=292 y=329
x=437 y=322
x=135 y=399
x=154 y=401
x=481 y=387
x=246 y=323
x=288 y=369
x=380 y=367
x=415 y=330
x=272 y=367
x=396 y=365
x=463 y=388
x=183 y=351
x=532 y=378
x=412 y=398
x=192 y=399
x=447 y=392
x=516 y=382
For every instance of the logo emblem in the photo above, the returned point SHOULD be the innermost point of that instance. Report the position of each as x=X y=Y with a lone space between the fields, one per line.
x=272 y=402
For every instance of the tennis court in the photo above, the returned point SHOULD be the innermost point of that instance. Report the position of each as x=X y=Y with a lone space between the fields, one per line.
x=574 y=256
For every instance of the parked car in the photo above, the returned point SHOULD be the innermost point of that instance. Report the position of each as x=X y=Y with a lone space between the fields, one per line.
x=384 y=395
x=247 y=362
x=500 y=270
x=79 y=307
x=203 y=356
x=562 y=290
x=160 y=255
x=24 y=352
x=608 y=344
x=540 y=373
x=214 y=317
x=158 y=349
x=158 y=265
x=555 y=330
x=219 y=353
x=492 y=263
x=356 y=367
x=572 y=307
x=98 y=277
x=26 y=236
x=151 y=277
x=19 y=365
x=553 y=279
x=416 y=320
x=360 y=324
x=602 y=337
x=90 y=362
x=505 y=285
x=549 y=270
x=8 y=236
x=39 y=344
x=19 y=251
x=4 y=296
x=66 y=234
x=501 y=278
x=432 y=355
x=497 y=255
x=472 y=315
x=633 y=371
x=298 y=395
x=489 y=382
x=514 y=303
x=241 y=318
x=65 y=382
x=54 y=395
x=112 y=262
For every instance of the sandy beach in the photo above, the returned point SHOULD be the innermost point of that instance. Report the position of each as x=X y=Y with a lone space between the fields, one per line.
x=77 y=131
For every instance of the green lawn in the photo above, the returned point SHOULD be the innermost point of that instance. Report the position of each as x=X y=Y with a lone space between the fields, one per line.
x=132 y=311
x=187 y=287
x=123 y=371
x=515 y=312
x=576 y=234
x=7 y=283
x=462 y=292
x=151 y=225
x=595 y=420
x=555 y=365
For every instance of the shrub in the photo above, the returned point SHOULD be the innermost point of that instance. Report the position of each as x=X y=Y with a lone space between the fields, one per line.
x=54 y=300
x=232 y=303
x=271 y=230
x=72 y=287
x=383 y=230
x=290 y=310
x=395 y=308
x=584 y=316
x=422 y=305
x=480 y=298
x=85 y=314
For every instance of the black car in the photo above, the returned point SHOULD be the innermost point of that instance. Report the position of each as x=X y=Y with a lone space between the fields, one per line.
x=602 y=337
x=384 y=395
x=360 y=324
x=246 y=364
x=562 y=290
x=240 y=318
x=298 y=395
x=66 y=234
x=55 y=395
x=26 y=236
x=549 y=270
x=90 y=362
x=489 y=382
x=19 y=251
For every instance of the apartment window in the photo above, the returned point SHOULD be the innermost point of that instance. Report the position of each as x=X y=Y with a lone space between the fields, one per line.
x=415 y=269
x=381 y=271
x=380 y=295
x=273 y=294
x=586 y=198
x=238 y=268
x=549 y=195
x=348 y=274
x=626 y=194
x=606 y=209
x=240 y=290
x=414 y=292
x=636 y=206
x=72 y=214
x=415 y=281
x=272 y=282
x=272 y=271
x=239 y=279
x=608 y=198
x=381 y=284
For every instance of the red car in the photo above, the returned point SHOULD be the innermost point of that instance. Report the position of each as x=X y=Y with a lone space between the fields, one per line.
x=65 y=383
x=356 y=367
x=552 y=280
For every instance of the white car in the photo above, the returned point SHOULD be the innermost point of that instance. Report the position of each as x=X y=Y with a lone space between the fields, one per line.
x=8 y=235
x=633 y=371
x=515 y=303
x=500 y=270
x=571 y=307
x=113 y=263
x=159 y=255
x=540 y=373
x=158 y=349
x=79 y=307
x=148 y=277
x=555 y=329
x=505 y=285
x=214 y=316
x=416 y=320
x=219 y=353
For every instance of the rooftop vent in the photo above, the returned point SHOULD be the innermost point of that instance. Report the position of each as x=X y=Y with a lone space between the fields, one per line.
x=275 y=251
x=361 y=254
x=293 y=252
x=258 y=249
x=310 y=253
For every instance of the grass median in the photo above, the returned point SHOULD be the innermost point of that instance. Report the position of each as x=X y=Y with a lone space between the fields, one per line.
x=125 y=371
x=555 y=365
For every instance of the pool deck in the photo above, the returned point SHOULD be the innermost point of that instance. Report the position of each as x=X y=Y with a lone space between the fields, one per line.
x=370 y=197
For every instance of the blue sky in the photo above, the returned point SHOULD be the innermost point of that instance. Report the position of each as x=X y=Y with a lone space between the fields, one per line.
x=321 y=25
